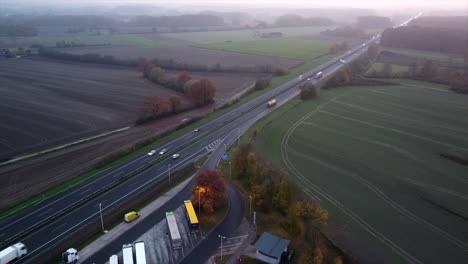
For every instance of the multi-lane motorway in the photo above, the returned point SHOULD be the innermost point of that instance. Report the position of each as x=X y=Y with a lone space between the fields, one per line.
x=62 y=216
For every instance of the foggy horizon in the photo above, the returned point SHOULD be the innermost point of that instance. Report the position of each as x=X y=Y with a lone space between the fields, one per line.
x=255 y=3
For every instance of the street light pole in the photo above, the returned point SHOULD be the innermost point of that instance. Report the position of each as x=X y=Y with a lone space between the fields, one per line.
x=199 y=201
x=102 y=220
x=221 y=237
x=230 y=170
x=169 y=174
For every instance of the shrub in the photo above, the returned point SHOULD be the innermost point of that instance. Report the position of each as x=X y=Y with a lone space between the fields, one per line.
x=261 y=84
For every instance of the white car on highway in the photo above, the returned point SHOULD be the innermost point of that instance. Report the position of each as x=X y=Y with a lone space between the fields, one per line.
x=151 y=152
x=175 y=156
x=342 y=61
x=162 y=151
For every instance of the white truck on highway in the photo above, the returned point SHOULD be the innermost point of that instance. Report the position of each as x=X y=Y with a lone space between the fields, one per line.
x=12 y=253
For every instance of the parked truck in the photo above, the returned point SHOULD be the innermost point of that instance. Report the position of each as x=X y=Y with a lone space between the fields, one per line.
x=127 y=254
x=114 y=259
x=176 y=239
x=70 y=256
x=12 y=253
x=140 y=252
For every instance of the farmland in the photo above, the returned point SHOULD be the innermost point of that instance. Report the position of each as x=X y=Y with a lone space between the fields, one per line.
x=188 y=55
x=293 y=48
x=372 y=157
x=438 y=56
x=46 y=102
x=138 y=40
x=243 y=35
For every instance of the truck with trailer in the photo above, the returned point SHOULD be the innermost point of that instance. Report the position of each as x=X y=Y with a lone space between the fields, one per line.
x=176 y=239
x=140 y=252
x=127 y=254
x=13 y=253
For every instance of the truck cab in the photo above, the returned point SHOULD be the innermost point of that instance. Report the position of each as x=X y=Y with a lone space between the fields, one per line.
x=13 y=253
x=70 y=256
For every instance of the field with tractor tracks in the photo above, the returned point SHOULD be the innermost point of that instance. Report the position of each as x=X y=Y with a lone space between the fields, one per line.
x=375 y=157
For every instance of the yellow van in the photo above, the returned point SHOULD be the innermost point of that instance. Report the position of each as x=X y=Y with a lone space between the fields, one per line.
x=131 y=216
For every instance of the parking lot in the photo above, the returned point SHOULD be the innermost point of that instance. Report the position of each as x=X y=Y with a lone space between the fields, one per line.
x=158 y=242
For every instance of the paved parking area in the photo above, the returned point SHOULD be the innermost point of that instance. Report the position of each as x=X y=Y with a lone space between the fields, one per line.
x=158 y=243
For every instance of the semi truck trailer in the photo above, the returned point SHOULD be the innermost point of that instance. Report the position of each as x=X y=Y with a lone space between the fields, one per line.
x=12 y=253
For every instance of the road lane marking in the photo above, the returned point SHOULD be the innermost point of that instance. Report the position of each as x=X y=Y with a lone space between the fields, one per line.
x=43 y=213
x=58 y=227
x=117 y=174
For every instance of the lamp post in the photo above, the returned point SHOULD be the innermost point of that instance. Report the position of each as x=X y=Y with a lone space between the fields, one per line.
x=230 y=170
x=199 y=199
x=169 y=174
x=102 y=219
x=221 y=248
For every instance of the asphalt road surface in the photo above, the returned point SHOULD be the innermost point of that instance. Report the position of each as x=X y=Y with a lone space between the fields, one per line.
x=57 y=218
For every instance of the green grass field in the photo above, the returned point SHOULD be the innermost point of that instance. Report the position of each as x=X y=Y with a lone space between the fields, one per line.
x=426 y=54
x=371 y=156
x=243 y=35
x=293 y=48
x=395 y=68
x=138 y=40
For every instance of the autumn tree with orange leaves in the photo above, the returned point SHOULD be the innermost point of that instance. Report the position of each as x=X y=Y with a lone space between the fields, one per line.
x=182 y=79
x=154 y=106
x=210 y=185
x=202 y=92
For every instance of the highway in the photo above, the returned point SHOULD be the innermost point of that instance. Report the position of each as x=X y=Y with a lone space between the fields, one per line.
x=55 y=219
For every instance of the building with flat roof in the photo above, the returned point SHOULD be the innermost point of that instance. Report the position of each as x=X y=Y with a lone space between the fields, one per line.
x=270 y=248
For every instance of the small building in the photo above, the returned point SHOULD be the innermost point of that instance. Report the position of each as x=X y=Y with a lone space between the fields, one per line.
x=271 y=248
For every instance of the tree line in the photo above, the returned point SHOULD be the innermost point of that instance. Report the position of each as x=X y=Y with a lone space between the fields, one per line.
x=272 y=193
x=337 y=47
x=429 y=71
x=292 y=20
x=200 y=92
x=353 y=70
x=431 y=39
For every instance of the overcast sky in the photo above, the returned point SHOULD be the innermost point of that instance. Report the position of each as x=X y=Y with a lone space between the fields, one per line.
x=290 y=3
